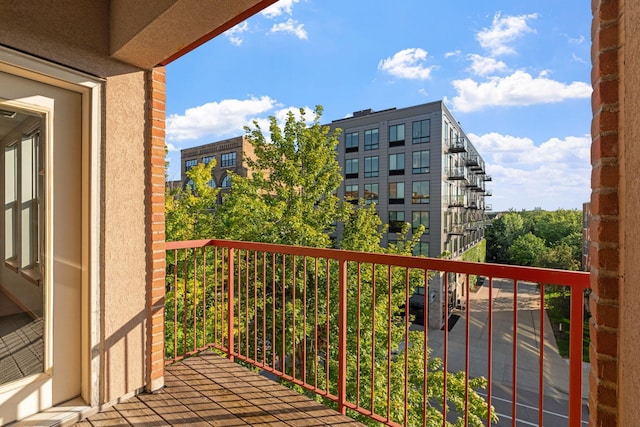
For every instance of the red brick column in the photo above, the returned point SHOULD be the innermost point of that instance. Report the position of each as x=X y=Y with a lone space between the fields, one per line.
x=156 y=108
x=606 y=152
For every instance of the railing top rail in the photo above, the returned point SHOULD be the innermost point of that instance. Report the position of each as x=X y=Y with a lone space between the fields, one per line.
x=578 y=279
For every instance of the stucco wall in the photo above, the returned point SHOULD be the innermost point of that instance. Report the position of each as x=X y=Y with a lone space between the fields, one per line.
x=75 y=33
x=77 y=36
x=124 y=251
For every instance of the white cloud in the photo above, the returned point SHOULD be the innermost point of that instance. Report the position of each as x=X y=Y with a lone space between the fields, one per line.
x=504 y=30
x=578 y=40
x=484 y=65
x=279 y=8
x=507 y=149
x=407 y=64
x=576 y=58
x=517 y=89
x=453 y=53
x=553 y=174
x=281 y=117
x=171 y=147
x=233 y=34
x=226 y=117
x=292 y=27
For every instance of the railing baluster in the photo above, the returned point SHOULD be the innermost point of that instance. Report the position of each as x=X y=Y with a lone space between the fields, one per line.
x=514 y=356
x=358 y=302
x=204 y=298
x=541 y=359
x=490 y=351
x=175 y=304
x=195 y=300
x=406 y=345
x=342 y=336
x=304 y=317
x=386 y=409
x=466 y=352
x=389 y=343
x=230 y=302
x=425 y=346
x=576 y=322
x=293 y=317
x=445 y=349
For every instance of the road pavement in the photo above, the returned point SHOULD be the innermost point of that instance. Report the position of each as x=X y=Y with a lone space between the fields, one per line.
x=527 y=348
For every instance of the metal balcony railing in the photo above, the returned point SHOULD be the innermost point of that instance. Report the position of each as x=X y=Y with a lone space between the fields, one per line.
x=335 y=323
x=458 y=145
x=457 y=173
x=455 y=201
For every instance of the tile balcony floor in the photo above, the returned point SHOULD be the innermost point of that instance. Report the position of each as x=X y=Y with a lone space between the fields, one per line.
x=210 y=390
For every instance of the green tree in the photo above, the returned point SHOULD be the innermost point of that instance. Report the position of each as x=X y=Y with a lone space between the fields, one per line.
x=188 y=212
x=527 y=250
x=501 y=234
x=290 y=199
x=290 y=196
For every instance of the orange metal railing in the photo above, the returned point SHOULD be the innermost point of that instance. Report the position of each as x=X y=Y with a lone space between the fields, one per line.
x=349 y=326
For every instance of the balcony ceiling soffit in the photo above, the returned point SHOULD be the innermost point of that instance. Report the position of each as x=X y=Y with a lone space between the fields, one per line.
x=146 y=34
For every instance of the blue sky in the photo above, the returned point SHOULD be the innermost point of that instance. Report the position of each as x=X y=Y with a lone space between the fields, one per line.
x=515 y=74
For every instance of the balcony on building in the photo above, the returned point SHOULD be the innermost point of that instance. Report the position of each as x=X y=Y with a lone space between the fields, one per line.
x=245 y=285
x=457 y=173
x=455 y=201
x=457 y=145
x=486 y=177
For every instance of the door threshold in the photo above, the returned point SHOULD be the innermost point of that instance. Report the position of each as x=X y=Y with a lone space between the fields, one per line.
x=65 y=414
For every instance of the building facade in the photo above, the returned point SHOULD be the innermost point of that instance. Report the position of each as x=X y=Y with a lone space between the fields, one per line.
x=418 y=166
x=229 y=155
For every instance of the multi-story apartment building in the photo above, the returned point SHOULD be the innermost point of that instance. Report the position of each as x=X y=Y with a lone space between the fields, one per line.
x=416 y=164
x=419 y=167
x=229 y=155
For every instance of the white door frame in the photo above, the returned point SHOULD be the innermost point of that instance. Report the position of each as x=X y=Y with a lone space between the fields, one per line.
x=89 y=87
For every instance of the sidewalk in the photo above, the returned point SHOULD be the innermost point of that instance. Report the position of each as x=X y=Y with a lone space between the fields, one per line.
x=556 y=369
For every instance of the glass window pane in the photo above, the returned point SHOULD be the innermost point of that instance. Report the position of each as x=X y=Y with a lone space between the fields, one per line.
x=420 y=193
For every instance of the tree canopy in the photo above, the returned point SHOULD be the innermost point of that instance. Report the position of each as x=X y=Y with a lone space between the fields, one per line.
x=551 y=239
x=290 y=198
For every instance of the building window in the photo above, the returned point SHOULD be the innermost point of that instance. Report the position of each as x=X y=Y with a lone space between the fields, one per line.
x=351 y=193
x=421 y=249
x=212 y=183
x=396 y=164
x=396 y=193
x=24 y=186
x=418 y=219
x=207 y=159
x=351 y=142
x=371 y=167
x=226 y=182
x=446 y=133
x=396 y=135
x=228 y=160
x=420 y=193
x=351 y=168
x=188 y=164
x=396 y=221
x=421 y=131
x=371 y=139
x=371 y=193
x=421 y=161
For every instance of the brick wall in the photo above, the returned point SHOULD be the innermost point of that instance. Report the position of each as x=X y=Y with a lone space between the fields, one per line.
x=605 y=250
x=156 y=107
